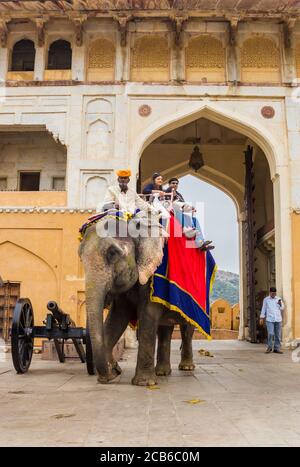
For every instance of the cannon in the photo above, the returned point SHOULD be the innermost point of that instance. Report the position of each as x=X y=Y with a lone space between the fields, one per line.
x=57 y=326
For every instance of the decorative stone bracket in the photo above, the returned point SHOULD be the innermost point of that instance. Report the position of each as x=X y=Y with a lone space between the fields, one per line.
x=178 y=22
x=288 y=27
x=40 y=24
x=122 y=21
x=78 y=22
x=232 y=31
x=3 y=32
x=267 y=243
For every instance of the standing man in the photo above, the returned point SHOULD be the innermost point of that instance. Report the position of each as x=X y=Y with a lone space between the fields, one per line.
x=272 y=312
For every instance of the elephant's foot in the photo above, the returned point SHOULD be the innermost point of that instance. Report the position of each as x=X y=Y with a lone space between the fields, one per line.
x=163 y=369
x=114 y=372
x=186 y=365
x=144 y=379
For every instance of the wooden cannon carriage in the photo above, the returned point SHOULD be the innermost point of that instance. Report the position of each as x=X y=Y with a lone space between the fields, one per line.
x=57 y=326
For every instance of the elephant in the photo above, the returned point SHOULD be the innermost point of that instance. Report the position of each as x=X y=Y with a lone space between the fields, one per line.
x=117 y=271
x=113 y=266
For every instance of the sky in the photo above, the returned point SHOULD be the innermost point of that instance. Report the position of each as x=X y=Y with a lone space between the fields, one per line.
x=218 y=218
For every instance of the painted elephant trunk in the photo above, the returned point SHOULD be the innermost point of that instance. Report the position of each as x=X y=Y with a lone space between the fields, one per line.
x=95 y=305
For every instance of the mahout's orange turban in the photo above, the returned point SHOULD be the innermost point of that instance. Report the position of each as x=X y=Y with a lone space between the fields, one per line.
x=123 y=173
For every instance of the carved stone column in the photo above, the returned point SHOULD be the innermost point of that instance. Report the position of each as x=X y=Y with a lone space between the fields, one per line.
x=233 y=72
x=3 y=63
x=123 y=48
x=121 y=54
x=178 y=48
x=3 y=50
x=78 y=52
x=40 y=55
x=289 y=69
x=39 y=63
x=78 y=70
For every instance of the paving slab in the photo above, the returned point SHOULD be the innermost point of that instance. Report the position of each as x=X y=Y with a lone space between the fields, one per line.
x=238 y=397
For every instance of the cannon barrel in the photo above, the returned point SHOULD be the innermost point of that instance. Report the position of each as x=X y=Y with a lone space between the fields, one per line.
x=59 y=315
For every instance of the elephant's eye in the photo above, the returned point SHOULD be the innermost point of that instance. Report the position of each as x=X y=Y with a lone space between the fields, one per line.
x=113 y=254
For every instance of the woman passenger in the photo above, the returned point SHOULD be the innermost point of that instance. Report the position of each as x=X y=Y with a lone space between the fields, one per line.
x=155 y=186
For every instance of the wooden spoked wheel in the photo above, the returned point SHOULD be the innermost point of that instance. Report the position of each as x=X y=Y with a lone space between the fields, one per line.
x=21 y=335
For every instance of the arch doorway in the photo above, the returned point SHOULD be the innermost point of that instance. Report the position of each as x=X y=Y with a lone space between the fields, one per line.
x=30 y=276
x=238 y=166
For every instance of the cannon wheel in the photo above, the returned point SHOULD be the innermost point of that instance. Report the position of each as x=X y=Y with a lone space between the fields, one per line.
x=21 y=336
x=89 y=353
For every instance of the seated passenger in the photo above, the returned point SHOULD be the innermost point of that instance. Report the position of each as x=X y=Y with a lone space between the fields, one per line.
x=155 y=186
x=172 y=188
x=124 y=198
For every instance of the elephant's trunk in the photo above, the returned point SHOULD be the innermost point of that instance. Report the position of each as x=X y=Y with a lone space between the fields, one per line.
x=94 y=307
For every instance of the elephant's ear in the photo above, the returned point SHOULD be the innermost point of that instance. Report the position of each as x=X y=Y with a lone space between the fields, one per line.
x=149 y=252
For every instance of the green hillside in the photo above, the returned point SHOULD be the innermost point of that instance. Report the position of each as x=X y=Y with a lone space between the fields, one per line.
x=226 y=286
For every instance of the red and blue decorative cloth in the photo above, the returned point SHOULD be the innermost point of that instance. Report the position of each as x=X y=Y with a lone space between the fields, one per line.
x=184 y=280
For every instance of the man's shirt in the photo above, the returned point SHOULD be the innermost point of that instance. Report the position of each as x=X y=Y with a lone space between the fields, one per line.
x=128 y=201
x=177 y=196
x=271 y=310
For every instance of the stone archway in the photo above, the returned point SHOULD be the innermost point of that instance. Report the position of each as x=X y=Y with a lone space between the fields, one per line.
x=272 y=148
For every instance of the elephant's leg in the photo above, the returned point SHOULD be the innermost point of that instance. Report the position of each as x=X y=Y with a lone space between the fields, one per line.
x=115 y=324
x=186 y=364
x=163 y=365
x=94 y=306
x=148 y=322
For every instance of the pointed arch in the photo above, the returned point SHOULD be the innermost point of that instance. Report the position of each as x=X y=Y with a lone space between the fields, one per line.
x=23 y=55
x=16 y=245
x=37 y=278
x=215 y=178
x=99 y=106
x=271 y=146
x=59 y=55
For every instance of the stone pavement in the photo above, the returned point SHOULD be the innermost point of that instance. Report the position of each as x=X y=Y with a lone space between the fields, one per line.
x=240 y=397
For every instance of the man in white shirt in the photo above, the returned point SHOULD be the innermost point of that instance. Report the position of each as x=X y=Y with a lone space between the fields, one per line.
x=272 y=312
x=124 y=198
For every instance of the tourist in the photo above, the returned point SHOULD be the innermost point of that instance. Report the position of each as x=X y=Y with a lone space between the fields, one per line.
x=155 y=186
x=172 y=188
x=272 y=313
